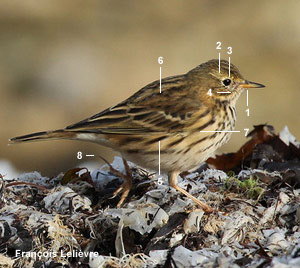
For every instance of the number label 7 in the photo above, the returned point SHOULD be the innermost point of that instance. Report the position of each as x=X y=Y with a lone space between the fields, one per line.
x=246 y=131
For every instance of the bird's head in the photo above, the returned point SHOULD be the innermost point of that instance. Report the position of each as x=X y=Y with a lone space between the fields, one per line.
x=221 y=82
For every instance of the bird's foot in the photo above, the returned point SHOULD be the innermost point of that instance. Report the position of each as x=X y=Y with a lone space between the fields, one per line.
x=173 y=182
x=126 y=185
x=204 y=206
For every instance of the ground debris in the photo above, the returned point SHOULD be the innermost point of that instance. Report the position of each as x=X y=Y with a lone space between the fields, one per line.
x=72 y=220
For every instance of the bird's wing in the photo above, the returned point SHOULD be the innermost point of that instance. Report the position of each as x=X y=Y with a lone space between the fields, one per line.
x=146 y=112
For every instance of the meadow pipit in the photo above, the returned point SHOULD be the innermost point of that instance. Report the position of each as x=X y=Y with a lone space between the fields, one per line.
x=203 y=99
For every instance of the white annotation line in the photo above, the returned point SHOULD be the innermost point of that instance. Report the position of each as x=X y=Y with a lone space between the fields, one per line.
x=220 y=131
x=89 y=155
x=229 y=66
x=219 y=62
x=224 y=92
x=159 y=158
x=247 y=97
x=159 y=79
x=159 y=141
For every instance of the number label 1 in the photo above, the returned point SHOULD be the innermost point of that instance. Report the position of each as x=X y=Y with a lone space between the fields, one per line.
x=79 y=155
x=246 y=131
x=248 y=112
x=160 y=60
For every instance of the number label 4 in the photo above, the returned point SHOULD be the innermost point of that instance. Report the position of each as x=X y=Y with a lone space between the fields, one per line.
x=209 y=92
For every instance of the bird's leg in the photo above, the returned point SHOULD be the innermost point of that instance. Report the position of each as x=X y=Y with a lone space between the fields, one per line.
x=172 y=177
x=126 y=185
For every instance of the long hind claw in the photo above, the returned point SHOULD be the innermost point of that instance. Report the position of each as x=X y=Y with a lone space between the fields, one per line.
x=126 y=185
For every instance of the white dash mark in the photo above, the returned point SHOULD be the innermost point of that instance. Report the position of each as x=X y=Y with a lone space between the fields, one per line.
x=159 y=79
x=89 y=155
x=224 y=92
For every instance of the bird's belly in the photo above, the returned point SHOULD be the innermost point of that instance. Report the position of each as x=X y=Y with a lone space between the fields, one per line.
x=194 y=150
x=196 y=153
x=178 y=151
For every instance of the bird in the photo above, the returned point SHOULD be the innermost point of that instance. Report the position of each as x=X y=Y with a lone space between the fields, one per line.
x=191 y=115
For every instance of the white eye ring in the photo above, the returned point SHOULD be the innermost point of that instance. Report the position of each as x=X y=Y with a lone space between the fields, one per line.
x=226 y=82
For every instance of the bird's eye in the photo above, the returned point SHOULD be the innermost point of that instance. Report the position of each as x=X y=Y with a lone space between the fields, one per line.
x=226 y=82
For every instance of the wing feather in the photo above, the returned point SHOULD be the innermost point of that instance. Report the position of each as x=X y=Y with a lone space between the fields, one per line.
x=144 y=113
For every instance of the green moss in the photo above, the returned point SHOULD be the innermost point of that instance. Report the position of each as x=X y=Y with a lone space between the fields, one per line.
x=250 y=188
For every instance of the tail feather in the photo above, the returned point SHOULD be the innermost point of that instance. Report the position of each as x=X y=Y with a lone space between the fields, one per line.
x=45 y=135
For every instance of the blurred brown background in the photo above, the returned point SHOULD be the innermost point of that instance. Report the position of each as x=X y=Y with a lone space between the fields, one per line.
x=62 y=61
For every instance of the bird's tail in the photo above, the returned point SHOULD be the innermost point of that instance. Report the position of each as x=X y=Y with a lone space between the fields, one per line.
x=45 y=135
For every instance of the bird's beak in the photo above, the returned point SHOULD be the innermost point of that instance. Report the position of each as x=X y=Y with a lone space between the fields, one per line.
x=249 y=84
